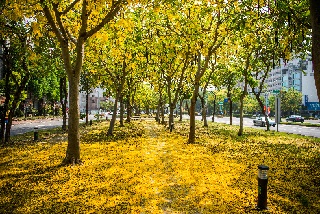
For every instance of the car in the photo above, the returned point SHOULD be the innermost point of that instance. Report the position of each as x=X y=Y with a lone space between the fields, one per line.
x=259 y=121
x=220 y=114
x=295 y=118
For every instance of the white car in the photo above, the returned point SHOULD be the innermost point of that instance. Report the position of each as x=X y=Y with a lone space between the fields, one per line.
x=260 y=121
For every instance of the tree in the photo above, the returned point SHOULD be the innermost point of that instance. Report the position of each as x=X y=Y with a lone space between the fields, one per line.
x=73 y=25
x=251 y=105
x=211 y=33
x=19 y=41
x=291 y=100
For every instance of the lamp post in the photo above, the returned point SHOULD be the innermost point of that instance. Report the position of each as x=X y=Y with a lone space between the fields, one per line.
x=35 y=134
x=262 y=187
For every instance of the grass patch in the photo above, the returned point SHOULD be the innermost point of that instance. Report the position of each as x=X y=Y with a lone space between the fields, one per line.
x=145 y=169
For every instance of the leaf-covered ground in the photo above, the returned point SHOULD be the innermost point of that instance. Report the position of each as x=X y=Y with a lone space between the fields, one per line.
x=146 y=169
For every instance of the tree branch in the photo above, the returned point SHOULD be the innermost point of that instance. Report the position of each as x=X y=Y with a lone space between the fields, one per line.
x=69 y=7
x=111 y=14
x=51 y=20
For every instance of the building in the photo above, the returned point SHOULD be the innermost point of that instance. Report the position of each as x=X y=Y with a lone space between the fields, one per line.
x=298 y=74
x=94 y=101
x=287 y=75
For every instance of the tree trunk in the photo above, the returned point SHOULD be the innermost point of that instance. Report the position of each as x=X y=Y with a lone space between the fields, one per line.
x=14 y=106
x=171 y=119
x=204 y=116
x=214 y=108
x=315 y=23
x=63 y=101
x=192 y=132
x=73 y=149
x=162 y=113
x=187 y=107
x=7 y=72
x=240 y=132
x=230 y=109
x=87 y=106
x=3 y=125
x=199 y=73
x=121 y=110
x=128 y=109
x=114 y=116
x=8 y=128
x=204 y=109
x=181 y=103
x=263 y=111
x=158 y=111
x=159 y=107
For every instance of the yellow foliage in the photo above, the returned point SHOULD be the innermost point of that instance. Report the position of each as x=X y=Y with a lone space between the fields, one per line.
x=145 y=169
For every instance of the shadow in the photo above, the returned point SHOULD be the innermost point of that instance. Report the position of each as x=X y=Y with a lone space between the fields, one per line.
x=174 y=200
x=17 y=197
x=98 y=135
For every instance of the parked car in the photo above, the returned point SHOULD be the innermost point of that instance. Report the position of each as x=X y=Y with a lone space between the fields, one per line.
x=260 y=121
x=295 y=118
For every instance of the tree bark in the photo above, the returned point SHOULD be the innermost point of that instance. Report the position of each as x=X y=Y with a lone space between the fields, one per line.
x=171 y=119
x=87 y=106
x=114 y=116
x=315 y=23
x=7 y=73
x=128 y=109
x=230 y=110
x=214 y=107
x=204 y=109
x=240 y=132
x=121 y=110
x=63 y=101
x=242 y=96
x=181 y=103
x=73 y=149
x=162 y=113
x=192 y=132
x=187 y=107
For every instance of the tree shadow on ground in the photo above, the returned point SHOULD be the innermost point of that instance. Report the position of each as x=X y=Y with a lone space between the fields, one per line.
x=16 y=197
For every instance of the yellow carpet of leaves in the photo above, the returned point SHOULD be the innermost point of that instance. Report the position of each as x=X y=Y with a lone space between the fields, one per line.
x=144 y=168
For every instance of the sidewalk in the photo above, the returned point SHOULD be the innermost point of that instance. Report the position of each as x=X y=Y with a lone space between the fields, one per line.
x=28 y=121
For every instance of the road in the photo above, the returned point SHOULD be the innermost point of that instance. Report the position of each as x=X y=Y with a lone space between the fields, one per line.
x=294 y=129
x=21 y=127
x=28 y=126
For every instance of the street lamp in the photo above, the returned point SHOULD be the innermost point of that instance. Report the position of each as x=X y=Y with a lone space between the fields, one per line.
x=262 y=186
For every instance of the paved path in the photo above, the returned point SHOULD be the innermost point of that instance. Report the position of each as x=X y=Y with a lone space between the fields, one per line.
x=21 y=127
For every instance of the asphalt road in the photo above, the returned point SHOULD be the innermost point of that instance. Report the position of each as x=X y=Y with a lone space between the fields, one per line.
x=21 y=127
x=293 y=129
x=28 y=126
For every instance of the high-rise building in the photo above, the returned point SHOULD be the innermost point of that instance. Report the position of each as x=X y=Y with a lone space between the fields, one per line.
x=298 y=74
